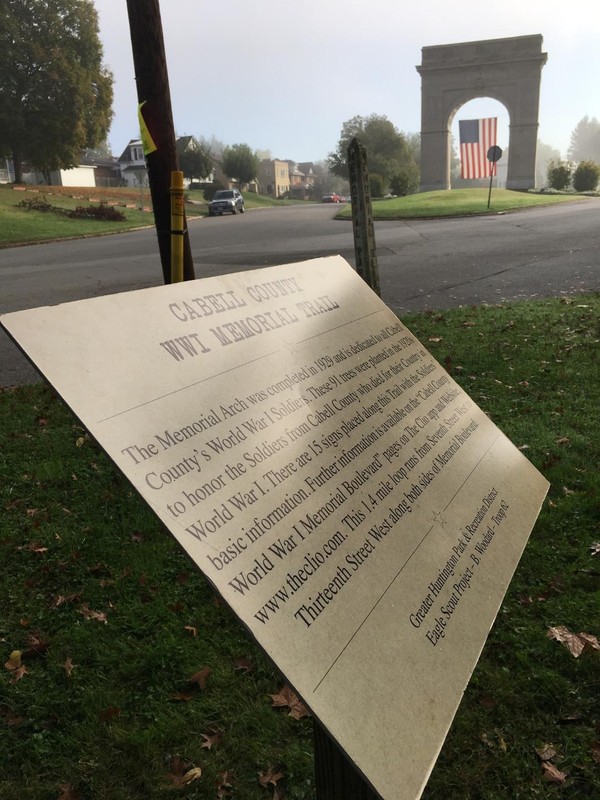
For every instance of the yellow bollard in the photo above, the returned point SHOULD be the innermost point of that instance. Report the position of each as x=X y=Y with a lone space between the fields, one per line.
x=177 y=231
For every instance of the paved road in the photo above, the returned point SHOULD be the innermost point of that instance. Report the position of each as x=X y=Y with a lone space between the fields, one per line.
x=423 y=264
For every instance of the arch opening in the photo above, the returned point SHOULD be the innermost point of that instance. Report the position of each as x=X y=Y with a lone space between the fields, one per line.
x=479 y=108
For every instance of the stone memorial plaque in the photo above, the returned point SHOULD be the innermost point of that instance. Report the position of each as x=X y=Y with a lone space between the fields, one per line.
x=356 y=509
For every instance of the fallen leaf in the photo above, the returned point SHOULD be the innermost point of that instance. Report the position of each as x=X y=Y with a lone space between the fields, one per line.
x=12 y=720
x=181 y=697
x=191 y=775
x=19 y=672
x=137 y=537
x=68 y=666
x=68 y=792
x=108 y=714
x=211 y=739
x=182 y=773
x=89 y=614
x=552 y=773
x=191 y=629
x=546 y=752
x=200 y=677
x=286 y=698
x=576 y=643
x=14 y=660
x=36 y=646
x=435 y=339
x=61 y=599
x=244 y=664
x=562 y=440
x=224 y=784
x=595 y=548
x=271 y=776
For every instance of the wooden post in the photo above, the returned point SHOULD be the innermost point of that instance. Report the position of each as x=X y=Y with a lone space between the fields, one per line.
x=335 y=776
x=365 y=251
x=153 y=91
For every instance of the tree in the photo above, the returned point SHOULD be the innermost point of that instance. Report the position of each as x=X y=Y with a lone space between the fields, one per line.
x=545 y=153
x=559 y=174
x=585 y=140
x=195 y=161
x=390 y=154
x=240 y=163
x=55 y=95
x=586 y=176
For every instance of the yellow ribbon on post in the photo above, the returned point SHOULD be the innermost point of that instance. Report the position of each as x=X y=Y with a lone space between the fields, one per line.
x=177 y=230
x=148 y=144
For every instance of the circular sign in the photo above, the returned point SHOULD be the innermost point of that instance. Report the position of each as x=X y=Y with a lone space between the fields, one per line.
x=494 y=153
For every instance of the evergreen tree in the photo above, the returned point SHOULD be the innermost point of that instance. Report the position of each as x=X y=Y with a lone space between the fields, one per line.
x=585 y=141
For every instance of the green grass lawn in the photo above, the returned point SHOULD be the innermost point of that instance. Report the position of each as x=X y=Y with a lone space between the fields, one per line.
x=19 y=225
x=458 y=202
x=135 y=673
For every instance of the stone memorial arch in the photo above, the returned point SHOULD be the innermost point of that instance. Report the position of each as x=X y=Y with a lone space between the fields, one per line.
x=507 y=70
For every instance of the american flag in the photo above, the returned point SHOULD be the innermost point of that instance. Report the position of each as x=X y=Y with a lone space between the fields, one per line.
x=476 y=138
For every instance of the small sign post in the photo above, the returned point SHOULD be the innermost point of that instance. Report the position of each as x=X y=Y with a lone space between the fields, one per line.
x=494 y=154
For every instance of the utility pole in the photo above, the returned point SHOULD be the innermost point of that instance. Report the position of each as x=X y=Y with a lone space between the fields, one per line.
x=152 y=82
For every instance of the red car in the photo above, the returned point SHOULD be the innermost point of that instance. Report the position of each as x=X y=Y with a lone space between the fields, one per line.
x=331 y=198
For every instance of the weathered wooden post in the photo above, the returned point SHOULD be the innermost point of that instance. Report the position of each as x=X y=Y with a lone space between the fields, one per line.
x=152 y=82
x=365 y=251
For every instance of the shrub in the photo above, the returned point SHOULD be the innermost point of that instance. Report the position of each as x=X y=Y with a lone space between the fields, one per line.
x=103 y=212
x=559 y=174
x=586 y=176
x=377 y=185
x=36 y=204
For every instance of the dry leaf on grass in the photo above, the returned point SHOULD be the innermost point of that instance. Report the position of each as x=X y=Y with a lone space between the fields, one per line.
x=68 y=667
x=286 y=698
x=89 y=614
x=68 y=792
x=201 y=677
x=244 y=665
x=595 y=548
x=576 y=643
x=271 y=776
x=181 y=697
x=14 y=660
x=552 y=773
x=546 y=752
x=211 y=739
x=182 y=773
x=225 y=782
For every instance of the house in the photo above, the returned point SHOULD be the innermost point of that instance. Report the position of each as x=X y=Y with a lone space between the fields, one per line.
x=274 y=177
x=132 y=165
x=302 y=179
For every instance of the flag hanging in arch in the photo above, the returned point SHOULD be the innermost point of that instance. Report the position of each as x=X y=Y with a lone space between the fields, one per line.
x=476 y=137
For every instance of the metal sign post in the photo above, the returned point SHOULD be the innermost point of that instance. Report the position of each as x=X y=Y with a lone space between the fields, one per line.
x=494 y=154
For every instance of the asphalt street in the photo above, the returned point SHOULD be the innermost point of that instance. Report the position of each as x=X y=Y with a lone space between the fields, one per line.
x=424 y=264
